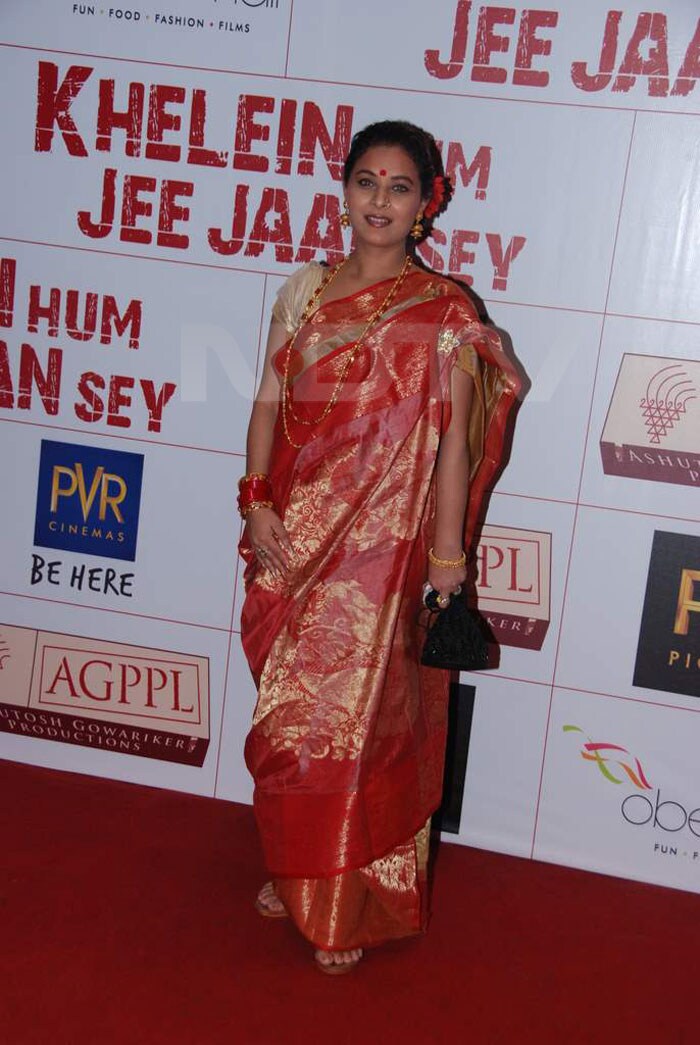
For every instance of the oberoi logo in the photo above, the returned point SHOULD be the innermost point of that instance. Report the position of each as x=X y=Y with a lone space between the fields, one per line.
x=609 y=760
x=643 y=806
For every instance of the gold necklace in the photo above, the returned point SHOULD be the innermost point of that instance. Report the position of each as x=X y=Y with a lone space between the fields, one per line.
x=287 y=408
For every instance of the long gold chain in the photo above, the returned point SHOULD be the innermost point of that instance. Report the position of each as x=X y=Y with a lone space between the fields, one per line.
x=286 y=397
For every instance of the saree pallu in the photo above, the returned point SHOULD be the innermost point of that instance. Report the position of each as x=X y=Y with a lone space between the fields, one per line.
x=348 y=735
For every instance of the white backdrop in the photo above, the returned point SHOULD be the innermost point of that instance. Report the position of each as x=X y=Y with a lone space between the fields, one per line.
x=163 y=170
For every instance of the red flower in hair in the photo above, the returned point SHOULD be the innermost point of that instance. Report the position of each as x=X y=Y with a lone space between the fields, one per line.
x=437 y=199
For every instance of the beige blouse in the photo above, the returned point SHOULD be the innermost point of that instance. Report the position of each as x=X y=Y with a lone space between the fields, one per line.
x=293 y=296
x=295 y=293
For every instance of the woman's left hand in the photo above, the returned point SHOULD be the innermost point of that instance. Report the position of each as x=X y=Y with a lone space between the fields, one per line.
x=446 y=580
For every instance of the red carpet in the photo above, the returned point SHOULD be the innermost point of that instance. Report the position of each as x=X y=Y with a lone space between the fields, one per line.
x=127 y=917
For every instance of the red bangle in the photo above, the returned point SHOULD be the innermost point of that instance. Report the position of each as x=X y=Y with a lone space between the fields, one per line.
x=251 y=475
x=254 y=489
x=257 y=483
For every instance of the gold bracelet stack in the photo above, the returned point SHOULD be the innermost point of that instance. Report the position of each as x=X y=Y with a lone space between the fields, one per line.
x=447 y=564
x=245 y=512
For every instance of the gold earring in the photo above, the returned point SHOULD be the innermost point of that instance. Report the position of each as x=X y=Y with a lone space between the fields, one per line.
x=345 y=216
x=417 y=228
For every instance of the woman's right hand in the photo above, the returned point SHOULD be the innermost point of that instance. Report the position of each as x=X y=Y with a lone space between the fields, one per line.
x=270 y=541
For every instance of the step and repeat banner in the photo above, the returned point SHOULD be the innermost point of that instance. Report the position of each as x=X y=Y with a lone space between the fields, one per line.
x=164 y=168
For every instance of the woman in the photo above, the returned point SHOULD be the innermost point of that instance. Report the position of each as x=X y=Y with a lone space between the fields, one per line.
x=378 y=423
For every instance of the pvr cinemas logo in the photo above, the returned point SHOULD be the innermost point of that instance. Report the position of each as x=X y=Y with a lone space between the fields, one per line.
x=668 y=654
x=88 y=500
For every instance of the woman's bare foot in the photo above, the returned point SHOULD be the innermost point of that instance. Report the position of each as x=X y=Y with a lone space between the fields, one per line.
x=268 y=904
x=337 y=962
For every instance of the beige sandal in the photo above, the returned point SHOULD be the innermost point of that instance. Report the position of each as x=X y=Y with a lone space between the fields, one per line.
x=268 y=904
x=334 y=968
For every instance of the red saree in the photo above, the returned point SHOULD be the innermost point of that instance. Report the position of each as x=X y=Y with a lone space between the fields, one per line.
x=347 y=743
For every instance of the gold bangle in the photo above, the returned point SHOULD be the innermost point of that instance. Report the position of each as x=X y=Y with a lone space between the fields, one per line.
x=447 y=564
x=253 y=506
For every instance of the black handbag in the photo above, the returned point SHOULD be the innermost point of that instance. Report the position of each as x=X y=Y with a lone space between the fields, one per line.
x=455 y=640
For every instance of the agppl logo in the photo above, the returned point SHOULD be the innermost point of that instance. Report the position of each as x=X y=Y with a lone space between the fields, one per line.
x=88 y=500
x=513 y=584
x=636 y=808
x=668 y=654
x=105 y=695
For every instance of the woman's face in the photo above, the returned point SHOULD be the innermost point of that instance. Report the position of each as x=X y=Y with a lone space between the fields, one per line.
x=383 y=195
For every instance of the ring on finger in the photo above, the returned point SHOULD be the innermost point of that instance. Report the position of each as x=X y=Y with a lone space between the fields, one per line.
x=443 y=601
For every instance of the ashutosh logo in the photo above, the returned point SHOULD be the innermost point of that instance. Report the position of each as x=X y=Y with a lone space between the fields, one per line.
x=88 y=500
x=652 y=430
x=644 y=807
x=668 y=654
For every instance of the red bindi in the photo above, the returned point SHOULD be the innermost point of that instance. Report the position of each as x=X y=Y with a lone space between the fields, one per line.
x=383 y=173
